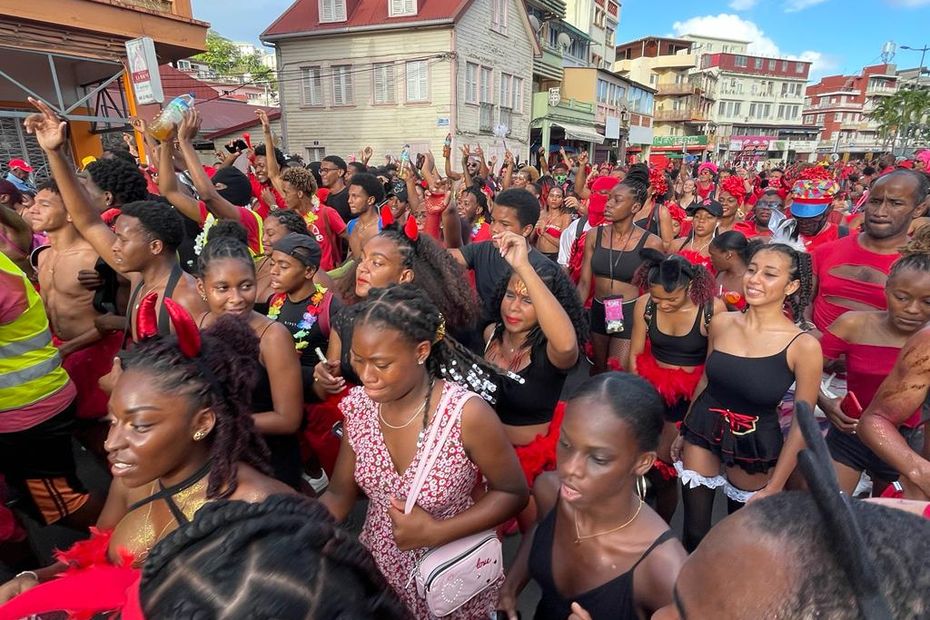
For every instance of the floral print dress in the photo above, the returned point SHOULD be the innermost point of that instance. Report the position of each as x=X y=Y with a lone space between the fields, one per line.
x=445 y=494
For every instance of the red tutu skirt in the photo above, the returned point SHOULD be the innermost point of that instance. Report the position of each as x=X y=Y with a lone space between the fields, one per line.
x=539 y=455
x=91 y=584
x=85 y=367
x=317 y=436
x=696 y=258
x=673 y=384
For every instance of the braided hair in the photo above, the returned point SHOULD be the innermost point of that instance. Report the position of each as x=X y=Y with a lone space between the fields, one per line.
x=408 y=310
x=291 y=220
x=637 y=179
x=437 y=274
x=220 y=378
x=283 y=557
x=220 y=247
x=735 y=241
x=674 y=272
x=561 y=287
x=801 y=270
x=915 y=255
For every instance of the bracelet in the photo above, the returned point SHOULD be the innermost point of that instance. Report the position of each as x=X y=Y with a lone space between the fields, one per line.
x=27 y=573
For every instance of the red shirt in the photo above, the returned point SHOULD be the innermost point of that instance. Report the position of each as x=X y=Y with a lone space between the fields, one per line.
x=828 y=233
x=262 y=208
x=750 y=231
x=327 y=226
x=249 y=221
x=830 y=261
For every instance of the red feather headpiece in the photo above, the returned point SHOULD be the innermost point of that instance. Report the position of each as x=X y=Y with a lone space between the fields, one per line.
x=411 y=229
x=184 y=327
x=387 y=216
x=733 y=185
x=658 y=182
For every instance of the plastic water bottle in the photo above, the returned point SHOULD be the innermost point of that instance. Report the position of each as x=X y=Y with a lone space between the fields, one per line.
x=170 y=117
x=404 y=161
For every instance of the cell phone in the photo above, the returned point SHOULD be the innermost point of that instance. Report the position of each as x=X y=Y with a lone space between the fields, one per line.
x=238 y=145
x=850 y=406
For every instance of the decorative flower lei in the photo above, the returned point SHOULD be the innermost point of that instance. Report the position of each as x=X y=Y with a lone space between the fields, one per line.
x=477 y=227
x=309 y=318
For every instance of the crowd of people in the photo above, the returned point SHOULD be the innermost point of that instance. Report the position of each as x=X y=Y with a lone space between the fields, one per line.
x=253 y=347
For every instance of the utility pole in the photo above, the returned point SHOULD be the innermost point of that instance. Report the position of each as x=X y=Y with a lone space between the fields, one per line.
x=923 y=51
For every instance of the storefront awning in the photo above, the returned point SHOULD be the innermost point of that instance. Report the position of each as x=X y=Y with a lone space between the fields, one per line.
x=579 y=132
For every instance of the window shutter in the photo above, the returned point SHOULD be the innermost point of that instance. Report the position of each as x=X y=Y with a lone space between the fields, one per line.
x=327 y=12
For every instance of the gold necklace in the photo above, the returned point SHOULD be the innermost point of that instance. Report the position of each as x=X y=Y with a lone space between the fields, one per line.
x=405 y=424
x=579 y=537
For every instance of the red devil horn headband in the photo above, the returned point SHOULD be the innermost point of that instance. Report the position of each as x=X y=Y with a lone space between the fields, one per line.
x=184 y=326
x=387 y=216
x=411 y=229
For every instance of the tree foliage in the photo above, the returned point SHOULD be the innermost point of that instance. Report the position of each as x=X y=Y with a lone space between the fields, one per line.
x=225 y=59
x=904 y=117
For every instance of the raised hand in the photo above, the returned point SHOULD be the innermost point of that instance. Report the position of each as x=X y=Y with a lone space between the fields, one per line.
x=513 y=248
x=263 y=117
x=190 y=125
x=50 y=131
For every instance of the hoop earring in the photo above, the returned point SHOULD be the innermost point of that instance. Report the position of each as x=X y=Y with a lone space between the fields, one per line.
x=641 y=487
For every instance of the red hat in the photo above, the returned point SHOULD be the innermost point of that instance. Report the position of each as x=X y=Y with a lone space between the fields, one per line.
x=19 y=163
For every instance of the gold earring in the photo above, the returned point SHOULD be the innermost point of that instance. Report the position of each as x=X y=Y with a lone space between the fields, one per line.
x=641 y=487
x=203 y=297
x=199 y=435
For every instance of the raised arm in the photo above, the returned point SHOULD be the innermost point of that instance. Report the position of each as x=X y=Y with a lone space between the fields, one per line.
x=902 y=393
x=483 y=169
x=466 y=176
x=507 y=170
x=542 y=159
x=168 y=184
x=452 y=224
x=447 y=155
x=562 y=341
x=52 y=135
x=216 y=204
x=271 y=162
x=581 y=177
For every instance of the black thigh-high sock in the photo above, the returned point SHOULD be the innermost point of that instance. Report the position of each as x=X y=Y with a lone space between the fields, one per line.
x=733 y=505
x=698 y=504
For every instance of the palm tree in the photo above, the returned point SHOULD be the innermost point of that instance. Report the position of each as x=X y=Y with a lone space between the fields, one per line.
x=887 y=113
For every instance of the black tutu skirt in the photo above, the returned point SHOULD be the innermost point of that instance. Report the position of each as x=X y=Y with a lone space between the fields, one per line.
x=751 y=441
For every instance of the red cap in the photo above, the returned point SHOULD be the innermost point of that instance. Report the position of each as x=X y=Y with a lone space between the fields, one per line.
x=19 y=163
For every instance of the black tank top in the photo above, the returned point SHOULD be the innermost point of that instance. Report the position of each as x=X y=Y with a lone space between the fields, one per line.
x=533 y=401
x=612 y=600
x=624 y=263
x=651 y=222
x=750 y=385
x=687 y=350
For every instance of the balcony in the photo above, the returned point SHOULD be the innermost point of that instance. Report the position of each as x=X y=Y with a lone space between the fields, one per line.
x=677 y=89
x=693 y=114
x=881 y=91
x=671 y=61
x=549 y=65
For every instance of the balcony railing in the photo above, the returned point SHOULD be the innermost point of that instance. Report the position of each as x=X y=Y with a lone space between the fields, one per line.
x=880 y=90
x=486 y=120
x=680 y=115
x=676 y=89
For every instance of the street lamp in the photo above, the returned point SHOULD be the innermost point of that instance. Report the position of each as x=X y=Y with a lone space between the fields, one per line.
x=923 y=50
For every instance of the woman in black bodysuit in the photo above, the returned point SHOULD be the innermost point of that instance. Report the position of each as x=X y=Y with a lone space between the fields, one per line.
x=731 y=436
x=611 y=258
x=598 y=547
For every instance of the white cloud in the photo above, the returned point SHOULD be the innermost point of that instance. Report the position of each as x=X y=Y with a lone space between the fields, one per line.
x=793 y=6
x=742 y=5
x=729 y=26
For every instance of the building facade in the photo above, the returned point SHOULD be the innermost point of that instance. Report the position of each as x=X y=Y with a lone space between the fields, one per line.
x=389 y=73
x=599 y=19
x=684 y=97
x=758 y=106
x=840 y=107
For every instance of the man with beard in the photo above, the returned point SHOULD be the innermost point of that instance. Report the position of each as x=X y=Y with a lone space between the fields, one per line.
x=850 y=273
x=758 y=226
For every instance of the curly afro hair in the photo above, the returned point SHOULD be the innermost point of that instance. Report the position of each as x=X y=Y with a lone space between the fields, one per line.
x=159 y=220
x=121 y=178
x=302 y=180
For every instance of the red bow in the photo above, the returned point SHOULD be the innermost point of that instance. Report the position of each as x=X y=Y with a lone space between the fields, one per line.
x=740 y=423
x=184 y=326
x=411 y=229
x=387 y=216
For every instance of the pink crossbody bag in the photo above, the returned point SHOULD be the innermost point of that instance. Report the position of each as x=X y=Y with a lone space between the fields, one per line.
x=453 y=574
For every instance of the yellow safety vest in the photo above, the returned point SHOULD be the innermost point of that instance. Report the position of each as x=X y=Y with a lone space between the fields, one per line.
x=30 y=366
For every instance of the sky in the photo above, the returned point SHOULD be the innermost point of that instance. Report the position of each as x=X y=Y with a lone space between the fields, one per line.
x=838 y=36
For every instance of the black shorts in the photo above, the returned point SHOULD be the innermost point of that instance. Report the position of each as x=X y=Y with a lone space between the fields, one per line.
x=599 y=320
x=849 y=450
x=751 y=443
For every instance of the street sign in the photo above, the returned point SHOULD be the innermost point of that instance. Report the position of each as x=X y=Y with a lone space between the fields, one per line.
x=143 y=71
x=555 y=96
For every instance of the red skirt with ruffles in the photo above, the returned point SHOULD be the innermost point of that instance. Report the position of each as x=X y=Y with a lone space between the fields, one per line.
x=538 y=456
x=673 y=384
x=91 y=584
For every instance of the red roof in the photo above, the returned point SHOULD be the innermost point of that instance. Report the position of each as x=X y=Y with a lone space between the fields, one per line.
x=304 y=16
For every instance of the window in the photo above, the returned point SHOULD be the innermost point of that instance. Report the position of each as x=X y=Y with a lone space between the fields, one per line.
x=602 y=88
x=499 y=15
x=342 y=85
x=518 y=95
x=771 y=65
x=752 y=109
x=316 y=153
x=820 y=119
x=652 y=79
x=598 y=17
x=740 y=61
x=471 y=82
x=417 y=74
x=399 y=8
x=484 y=85
x=311 y=87
x=610 y=37
x=722 y=108
x=184 y=65
x=781 y=111
x=505 y=95
x=784 y=88
x=784 y=65
x=757 y=63
x=383 y=90
x=726 y=49
x=737 y=108
x=754 y=88
x=332 y=11
x=799 y=67
x=766 y=111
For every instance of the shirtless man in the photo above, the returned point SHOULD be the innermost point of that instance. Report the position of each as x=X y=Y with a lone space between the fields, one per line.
x=79 y=331
x=143 y=243
x=365 y=197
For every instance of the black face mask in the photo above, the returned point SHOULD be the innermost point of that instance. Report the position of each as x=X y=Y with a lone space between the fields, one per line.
x=238 y=190
x=810 y=226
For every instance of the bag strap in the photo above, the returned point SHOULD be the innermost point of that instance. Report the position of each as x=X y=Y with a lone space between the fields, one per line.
x=325 y=305
x=431 y=449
